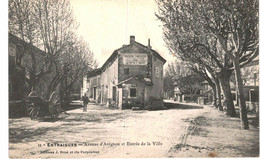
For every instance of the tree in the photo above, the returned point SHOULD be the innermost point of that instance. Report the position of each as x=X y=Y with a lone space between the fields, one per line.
x=45 y=24
x=190 y=25
x=50 y=26
x=237 y=33
x=77 y=60
x=191 y=42
x=168 y=85
x=179 y=75
x=202 y=72
x=22 y=24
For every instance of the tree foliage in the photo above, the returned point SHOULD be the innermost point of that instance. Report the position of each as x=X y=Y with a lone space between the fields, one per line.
x=204 y=29
x=179 y=76
x=49 y=25
x=222 y=34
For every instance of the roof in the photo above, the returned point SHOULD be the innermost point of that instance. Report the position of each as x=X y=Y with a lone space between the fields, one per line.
x=145 y=81
x=155 y=53
x=115 y=53
x=17 y=40
x=94 y=72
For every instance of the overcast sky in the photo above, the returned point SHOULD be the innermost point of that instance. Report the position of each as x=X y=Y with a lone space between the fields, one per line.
x=107 y=24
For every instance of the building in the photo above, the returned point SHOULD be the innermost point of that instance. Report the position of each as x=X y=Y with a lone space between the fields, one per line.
x=19 y=60
x=19 y=68
x=16 y=74
x=250 y=77
x=131 y=77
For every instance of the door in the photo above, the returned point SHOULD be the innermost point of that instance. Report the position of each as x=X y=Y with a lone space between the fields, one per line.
x=143 y=98
x=119 y=98
x=94 y=92
x=114 y=93
x=102 y=94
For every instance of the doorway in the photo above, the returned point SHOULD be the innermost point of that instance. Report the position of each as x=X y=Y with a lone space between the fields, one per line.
x=94 y=92
x=114 y=93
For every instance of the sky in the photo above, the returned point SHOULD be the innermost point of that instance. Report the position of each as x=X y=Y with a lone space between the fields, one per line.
x=107 y=25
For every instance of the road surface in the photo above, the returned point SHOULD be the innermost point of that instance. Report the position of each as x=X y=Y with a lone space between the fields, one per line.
x=182 y=131
x=100 y=132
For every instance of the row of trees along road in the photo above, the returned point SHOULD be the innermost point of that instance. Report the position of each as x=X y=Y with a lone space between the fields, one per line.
x=220 y=36
x=179 y=75
x=50 y=25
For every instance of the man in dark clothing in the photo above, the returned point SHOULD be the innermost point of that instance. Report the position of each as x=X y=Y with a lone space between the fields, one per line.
x=85 y=102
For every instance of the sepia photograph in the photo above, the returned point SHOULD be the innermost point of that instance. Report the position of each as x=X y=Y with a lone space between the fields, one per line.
x=133 y=79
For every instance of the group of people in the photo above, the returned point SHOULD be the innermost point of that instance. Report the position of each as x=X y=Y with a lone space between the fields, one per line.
x=85 y=100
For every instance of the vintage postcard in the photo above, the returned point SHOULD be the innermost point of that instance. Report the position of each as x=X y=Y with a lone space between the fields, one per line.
x=133 y=79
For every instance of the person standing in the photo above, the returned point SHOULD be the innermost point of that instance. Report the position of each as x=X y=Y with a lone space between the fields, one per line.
x=85 y=102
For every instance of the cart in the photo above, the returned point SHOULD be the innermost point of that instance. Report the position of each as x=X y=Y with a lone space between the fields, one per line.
x=39 y=107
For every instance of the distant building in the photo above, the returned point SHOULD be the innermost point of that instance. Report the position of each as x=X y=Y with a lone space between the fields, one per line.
x=131 y=77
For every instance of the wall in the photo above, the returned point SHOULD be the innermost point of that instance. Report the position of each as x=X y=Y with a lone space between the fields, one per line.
x=147 y=94
x=157 y=80
x=108 y=79
x=90 y=83
x=18 y=88
x=154 y=96
x=15 y=76
x=138 y=101
x=134 y=70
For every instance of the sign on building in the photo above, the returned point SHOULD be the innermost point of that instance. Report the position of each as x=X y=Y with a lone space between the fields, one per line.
x=135 y=59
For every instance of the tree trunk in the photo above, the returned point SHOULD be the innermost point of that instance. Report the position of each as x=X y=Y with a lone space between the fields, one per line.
x=214 y=96
x=240 y=95
x=213 y=86
x=237 y=99
x=224 y=76
x=220 y=107
x=33 y=71
x=215 y=80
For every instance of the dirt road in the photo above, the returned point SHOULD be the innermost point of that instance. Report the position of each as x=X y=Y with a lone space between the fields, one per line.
x=106 y=132
x=103 y=132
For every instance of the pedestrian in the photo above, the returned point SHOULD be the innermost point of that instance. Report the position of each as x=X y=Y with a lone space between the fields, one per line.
x=85 y=102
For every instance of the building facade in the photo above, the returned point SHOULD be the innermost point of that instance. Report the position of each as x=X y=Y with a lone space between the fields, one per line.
x=250 y=77
x=131 y=77
x=20 y=62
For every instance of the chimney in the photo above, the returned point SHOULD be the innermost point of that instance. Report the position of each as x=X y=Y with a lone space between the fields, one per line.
x=149 y=45
x=132 y=39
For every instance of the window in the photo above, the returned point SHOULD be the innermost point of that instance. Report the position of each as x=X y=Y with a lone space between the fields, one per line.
x=126 y=71
x=132 y=92
x=157 y=72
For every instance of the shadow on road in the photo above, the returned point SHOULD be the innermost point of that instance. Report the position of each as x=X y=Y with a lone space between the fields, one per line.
x=52 y=120
x=20 y=111
x=169 y=105
x=17 y=135
x=72 y=107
